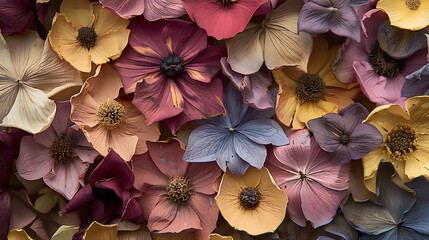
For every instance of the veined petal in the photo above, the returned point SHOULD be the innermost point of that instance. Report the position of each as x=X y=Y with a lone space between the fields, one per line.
x=125 y=9
x=264 y=131
x=251 y=152
x=80 y=12
x=403 y=17
x=106 y=21
x=156 y=9
x=109 y=45
x=8 y=93
x=32 y=111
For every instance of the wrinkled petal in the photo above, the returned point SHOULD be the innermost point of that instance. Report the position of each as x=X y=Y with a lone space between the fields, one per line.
x=263 y=131
x=156 y=9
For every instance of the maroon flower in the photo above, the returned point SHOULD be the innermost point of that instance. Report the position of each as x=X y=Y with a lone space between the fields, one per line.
x=18 y=15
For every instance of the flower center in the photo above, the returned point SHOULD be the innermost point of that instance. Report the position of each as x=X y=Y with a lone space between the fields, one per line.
x=62 y=149
x=344 y=139
x=87 y=36
x=179 y=189
x=302 y=175
x=110 y=114
x=311 y=88
x=413 y=4
x=384 y=64
x=172 y=66
x=250 y=198
x=227 y=3
x=401 y=140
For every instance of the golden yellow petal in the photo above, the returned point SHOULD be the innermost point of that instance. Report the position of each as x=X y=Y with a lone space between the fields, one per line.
x=98 y=231
x=215 y=236
x=319 y=55
x=310 y=110
x=79 y=12
x=18 y=234
x=417 y=162
x=341 y=97
x=370 y=164
x=32 y=111
x=63 y=37
x=65 y=232
x=287 y=74
x=109 y=45
x=286 y=103
x=106 y=21
x=403 y=17
x=400 y=168
x=418 y=108
x=385 y=117
x=356 y=188
x=331 y=81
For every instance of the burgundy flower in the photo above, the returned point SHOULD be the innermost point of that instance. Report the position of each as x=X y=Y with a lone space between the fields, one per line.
x=18 y=15
x=108 y=194
x=172 y=72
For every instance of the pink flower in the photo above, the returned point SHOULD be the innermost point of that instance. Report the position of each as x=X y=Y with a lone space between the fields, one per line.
x=172 y=72
x=222 y=18
x=60 y=154
x=151 y=9
x=314 y=184
x=176 y=195
x=380 y=75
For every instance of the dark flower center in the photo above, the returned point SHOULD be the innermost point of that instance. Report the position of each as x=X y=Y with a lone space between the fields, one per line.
x=179 y=189
x=401 y=140
x=107 y=196
x=302 y=175
x=344 y=139
x=413 y=4
x=250 y=198
x=110 y=114
x=384 y=64
x=62 y=149
x=227 y=3
x=311 y=88
x=87 y=36
x=172 y=66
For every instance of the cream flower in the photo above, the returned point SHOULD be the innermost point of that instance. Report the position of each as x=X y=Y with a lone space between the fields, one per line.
x=31 y=73
x=84 y=32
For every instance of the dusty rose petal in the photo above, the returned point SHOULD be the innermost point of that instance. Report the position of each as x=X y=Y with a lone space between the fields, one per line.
x=147 y=173
x=156 y=9
x=162 y=215
x=202 y=176
x=125 y=8
x=166 y=157
x=34 y=160
x=186 y=218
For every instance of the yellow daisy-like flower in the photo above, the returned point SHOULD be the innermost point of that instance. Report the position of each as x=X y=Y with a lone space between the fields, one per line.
x=252 y=203
x=84 y=32
x=405 y=140
x=406 y=14
x=304 y=96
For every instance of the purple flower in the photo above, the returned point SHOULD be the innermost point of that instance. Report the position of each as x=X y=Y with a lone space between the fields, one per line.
x=320 y=16
x=253 y=87
x=315 y=186
x=399 y=213
x=18 y=15
x=108 y=194
x=344 y=135
x=236 y=140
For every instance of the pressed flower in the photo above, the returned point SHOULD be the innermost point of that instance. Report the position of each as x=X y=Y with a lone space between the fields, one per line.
x=344 y=135
x=275 y=41
x=379 y=75
x=405 y=140
x=340 y=227
x=18 y=15
x=408 y=14
x=320 y=16
x=176 y=195
x=400 y=210
x=109 y=120
x=6 y=167
x=315 y=185
x=174 y=71
x=101 y=231
x=84 y=32
x=253 y=202
x=215 y=236
x=222 y=18
x=151 y=9
x=60 y=154
x=65 y=232
x=107 y=196
x=18 y=234
x=253 y=87
x=304 y=96
x=31 y=73
x=236 y=140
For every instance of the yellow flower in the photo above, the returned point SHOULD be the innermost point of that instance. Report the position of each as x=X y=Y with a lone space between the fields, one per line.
x=100 y=231
x=18 y=234
x=405 y=140
x=31 y=73
x=84 y=32
x=304 y=96
x=406 y=14
x=215 y=236
x=252 y=203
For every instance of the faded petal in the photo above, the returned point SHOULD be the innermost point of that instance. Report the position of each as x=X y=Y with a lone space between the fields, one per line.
x=263 y=131
x=34 y=160
x=125 y=8
x=156 y=9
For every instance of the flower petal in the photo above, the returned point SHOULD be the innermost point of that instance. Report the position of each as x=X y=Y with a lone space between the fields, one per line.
x=109 y=45
x=167 y=157
x=125 y=9
x=156 y=9
x=263 y=131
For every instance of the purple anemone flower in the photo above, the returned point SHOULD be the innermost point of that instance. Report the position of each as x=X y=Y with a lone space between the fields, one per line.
x=315 y=185
x=320 y=16
x=108 y=194
x=344 y=135
x=236 y=140
x=253 y=87
x=399 y=213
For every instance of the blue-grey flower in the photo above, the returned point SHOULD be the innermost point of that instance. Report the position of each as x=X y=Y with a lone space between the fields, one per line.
x=320 y=16
x=236 y=140
x=344 y=135
x=399 y=213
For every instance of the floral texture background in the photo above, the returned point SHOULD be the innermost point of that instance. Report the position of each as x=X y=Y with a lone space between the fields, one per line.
x=214 y=119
